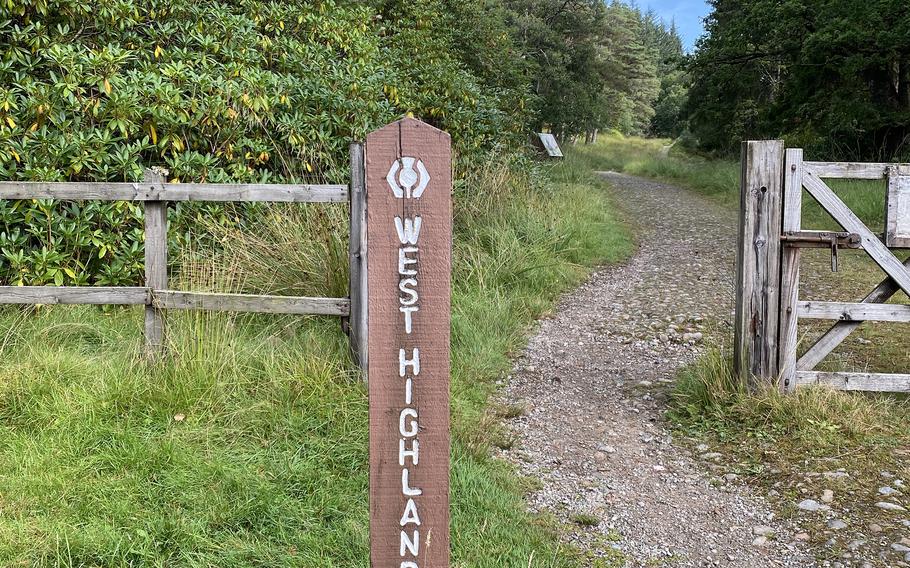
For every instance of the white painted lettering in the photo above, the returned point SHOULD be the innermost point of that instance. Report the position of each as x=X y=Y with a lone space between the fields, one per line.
x=404 y=362
x=403 y=286
x=410 y=515
x=404 y=453
x=406 y=488
x=407 y=311
x=410 y=545
x=408 y=391
x=409 y=230
x=404 y=260
x=405 y=428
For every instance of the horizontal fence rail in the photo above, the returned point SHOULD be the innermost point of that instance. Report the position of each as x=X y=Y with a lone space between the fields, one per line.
x=154 y=193
x=101 y=191
x=173 y=300
x=854 y=170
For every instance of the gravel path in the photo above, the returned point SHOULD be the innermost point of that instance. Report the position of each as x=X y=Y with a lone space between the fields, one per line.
x=591 y=386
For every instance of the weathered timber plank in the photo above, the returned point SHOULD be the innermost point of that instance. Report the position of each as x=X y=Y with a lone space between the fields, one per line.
x=850 y=222
x=869 y=382
x=897 y=213
x=847 y=311
x=91 y=295
x=409 y=181
x=790 y=259
x=841 y=330
x=357 y=251
x=146 y=191
x=759 y=261
x=852 y=170
x=155 y=263
x=176 y=300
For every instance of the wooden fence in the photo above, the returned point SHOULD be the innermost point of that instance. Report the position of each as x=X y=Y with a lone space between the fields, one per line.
x=768 y=303
x=155 y=193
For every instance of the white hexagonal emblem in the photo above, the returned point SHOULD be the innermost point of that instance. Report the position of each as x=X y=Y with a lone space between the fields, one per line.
x=408 y=177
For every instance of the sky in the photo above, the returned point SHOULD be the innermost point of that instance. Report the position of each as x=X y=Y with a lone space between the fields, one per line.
x=688 y=15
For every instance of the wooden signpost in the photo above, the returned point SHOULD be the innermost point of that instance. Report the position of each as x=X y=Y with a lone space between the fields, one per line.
x=409 y=236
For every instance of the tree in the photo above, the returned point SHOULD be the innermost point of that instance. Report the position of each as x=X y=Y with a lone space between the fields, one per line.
x=832 y=76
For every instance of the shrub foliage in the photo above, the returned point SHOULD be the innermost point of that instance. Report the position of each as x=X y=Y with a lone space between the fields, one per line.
x=244 y=91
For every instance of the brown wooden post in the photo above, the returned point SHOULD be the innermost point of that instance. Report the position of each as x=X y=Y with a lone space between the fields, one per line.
x=357 y=249
x=155 y=263
x=758 y=261
x=789 y=278
x=409 y=228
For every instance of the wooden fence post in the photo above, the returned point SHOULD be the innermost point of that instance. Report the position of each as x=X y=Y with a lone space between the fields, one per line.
x=789 y=278
x=357 y=250
x=155 y=263
x=758 y=259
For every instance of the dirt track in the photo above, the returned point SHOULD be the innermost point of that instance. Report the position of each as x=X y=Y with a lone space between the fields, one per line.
x=591 y=382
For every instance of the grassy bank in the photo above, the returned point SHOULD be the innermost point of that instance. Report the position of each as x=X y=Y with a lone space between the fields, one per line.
x=797 y=446
x=247 y=445
x=720 y=179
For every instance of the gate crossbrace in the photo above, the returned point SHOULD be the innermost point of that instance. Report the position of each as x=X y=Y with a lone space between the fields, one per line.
x=842 y=329
x=850 y=222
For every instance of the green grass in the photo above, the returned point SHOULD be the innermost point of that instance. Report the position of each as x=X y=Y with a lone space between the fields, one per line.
x=720 y=179
x=247 y=444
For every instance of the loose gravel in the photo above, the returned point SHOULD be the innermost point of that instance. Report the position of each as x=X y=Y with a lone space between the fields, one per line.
x=592 y=383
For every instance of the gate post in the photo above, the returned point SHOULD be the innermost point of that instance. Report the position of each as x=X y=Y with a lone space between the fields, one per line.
x=789 y=278
x=357 y=252
x=758 y=258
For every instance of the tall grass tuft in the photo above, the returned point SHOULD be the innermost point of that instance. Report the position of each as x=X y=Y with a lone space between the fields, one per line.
x=815 y=421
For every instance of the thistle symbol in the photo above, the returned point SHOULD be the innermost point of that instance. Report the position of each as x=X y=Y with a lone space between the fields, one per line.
x=408 y=177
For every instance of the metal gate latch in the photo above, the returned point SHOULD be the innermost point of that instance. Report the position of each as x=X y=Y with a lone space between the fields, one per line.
x=834 y=248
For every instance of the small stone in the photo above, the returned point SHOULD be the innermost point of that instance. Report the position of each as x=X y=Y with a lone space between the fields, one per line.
x=802 y=536
x=812 y=506
x=607 y=449
x=692 y=337
x=659 y=468
x=762 y=530
x=827 y=496
x=702 y=448
x=712 y=456
x=889 y=506
x=875 y=528
x=897 y=547
x=887 y=491
x=856 y=545
x=836 y=474
x=730 y=477
x=836 y=524
x=760 y=541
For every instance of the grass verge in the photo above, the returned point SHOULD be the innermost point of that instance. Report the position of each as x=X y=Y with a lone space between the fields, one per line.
x=247 y=445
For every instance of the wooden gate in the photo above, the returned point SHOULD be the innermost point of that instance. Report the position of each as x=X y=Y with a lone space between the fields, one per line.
x=768 y=303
